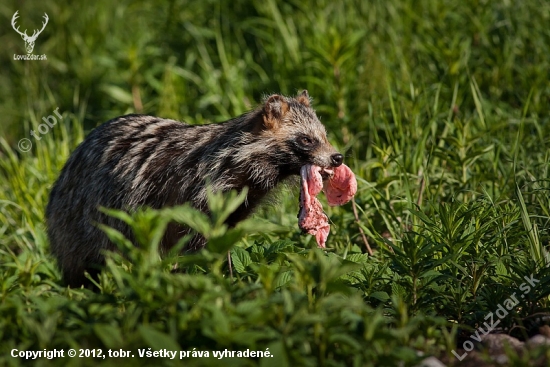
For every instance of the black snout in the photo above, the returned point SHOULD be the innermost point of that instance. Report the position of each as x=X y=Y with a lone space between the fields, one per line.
x=336 y=159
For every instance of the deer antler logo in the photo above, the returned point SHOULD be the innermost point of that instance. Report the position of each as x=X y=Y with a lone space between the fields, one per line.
x=29 y=41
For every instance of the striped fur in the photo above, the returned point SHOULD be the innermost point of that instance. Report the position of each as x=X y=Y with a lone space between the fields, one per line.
x=136 y=160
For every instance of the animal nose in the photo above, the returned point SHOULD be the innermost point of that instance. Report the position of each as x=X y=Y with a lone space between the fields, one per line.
x=336 y=159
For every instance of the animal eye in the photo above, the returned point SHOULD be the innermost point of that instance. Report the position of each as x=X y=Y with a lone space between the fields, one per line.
x=304 y=140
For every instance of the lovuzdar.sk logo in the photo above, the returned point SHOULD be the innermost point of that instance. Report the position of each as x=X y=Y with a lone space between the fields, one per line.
x=29 y=40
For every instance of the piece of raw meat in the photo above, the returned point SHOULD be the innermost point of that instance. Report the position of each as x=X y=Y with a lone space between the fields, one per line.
x=339 y=189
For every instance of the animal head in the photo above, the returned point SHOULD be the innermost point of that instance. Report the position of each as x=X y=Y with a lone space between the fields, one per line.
x=295 y=125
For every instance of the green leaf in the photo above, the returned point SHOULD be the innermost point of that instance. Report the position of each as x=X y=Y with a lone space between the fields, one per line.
x=117 y=93
x=222 y=205
x=422 y=216
x=193 y=218
x=119 y=214
x=278 y=356
x=222 y=244
x=110 y=335
x=116 y=237
x=241 y=259
x=156 y=339
x=380 y=295
x=283 y=279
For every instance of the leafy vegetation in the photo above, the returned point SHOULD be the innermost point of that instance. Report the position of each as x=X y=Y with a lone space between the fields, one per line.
x=441 y=108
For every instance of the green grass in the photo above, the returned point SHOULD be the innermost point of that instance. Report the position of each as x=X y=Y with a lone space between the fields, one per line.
x=440 y=107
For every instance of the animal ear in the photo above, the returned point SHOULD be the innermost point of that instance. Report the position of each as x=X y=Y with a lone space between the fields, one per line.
x=275 y=108
x=303 y=98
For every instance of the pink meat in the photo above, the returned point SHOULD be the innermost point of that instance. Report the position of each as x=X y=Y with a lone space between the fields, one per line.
x=339 y=189
x=311 y=218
